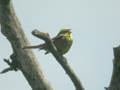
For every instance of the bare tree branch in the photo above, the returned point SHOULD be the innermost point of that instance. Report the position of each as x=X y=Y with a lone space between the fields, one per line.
x=61 y=59
x=115 y=80
x=28 y=64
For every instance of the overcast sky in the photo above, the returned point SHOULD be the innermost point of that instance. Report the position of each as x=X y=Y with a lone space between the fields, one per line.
x=96 y=30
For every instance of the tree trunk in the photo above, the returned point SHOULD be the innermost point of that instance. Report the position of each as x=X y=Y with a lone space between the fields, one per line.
x=115 y=80
x=25 y=59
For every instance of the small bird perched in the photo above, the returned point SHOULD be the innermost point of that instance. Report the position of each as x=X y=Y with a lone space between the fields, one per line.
x=62 y=41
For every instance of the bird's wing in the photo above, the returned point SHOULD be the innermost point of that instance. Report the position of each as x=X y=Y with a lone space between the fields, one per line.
x=57 y=37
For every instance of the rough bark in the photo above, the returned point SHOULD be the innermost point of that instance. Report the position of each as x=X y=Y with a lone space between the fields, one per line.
x=115 y=80
x=25 y=59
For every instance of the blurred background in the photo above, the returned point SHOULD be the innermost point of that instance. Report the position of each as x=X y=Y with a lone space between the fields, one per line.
x=95 y=26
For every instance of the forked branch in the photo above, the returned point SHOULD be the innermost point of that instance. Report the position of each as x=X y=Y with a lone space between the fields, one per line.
x=61 y=59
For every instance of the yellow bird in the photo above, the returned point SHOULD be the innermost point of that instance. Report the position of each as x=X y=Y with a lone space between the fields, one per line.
x=63 y=41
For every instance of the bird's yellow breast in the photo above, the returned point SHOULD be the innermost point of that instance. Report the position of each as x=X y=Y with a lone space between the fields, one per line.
x=69 y=36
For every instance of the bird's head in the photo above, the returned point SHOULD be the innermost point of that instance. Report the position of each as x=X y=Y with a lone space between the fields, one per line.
x=65 y=31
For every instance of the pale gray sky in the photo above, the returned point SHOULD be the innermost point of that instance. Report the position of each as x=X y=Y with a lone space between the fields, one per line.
x=96 y=30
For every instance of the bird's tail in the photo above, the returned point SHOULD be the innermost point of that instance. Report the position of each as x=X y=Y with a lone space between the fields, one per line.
x=41 y=46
